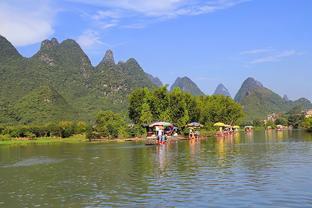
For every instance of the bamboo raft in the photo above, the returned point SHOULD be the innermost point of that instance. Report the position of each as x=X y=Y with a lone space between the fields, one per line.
x=170 y=139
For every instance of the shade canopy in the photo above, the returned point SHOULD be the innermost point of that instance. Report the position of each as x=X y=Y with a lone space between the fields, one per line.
x=194 y=125
x=164 y=124
x=236 y=127
x=219 y=124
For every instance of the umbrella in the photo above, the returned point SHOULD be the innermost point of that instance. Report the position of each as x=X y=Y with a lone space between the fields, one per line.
x=164 y=124
x=194 y=125
x=236 y=127
x=248 y=127
x=219 y=124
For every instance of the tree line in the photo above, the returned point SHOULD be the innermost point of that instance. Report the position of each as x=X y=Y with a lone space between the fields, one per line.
x=159 y=104
x=145 y=106
x=151 y=105
x=61 y=129
x=180 y=108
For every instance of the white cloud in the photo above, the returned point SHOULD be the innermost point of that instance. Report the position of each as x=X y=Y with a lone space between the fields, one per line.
x=267 y=55
x=89 y=39
x=106 y=14
x=136 y=14
x=165 y=8
x=257 y=51
x=28 y=23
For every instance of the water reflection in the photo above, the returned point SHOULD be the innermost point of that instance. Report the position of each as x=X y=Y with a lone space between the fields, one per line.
x=241 y=170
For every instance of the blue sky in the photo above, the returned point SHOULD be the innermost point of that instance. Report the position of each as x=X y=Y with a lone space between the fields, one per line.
x=211 y=41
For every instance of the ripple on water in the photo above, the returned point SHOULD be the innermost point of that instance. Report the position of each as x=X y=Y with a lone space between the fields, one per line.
x=33 y=161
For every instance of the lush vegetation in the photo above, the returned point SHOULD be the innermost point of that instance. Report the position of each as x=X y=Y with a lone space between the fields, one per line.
x=294 y=118
x=308 y=124
x=59 y=83
x=63 y=129
x=259 y=101
x=177 y=107
x=180 y=108
x=108 y=125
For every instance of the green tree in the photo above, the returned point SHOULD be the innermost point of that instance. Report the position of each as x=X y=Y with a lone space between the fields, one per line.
x=281 y=121
x=159 y=102
x=136 y=100
x=109 y=125
x=295 y=116
x=66 y=129
x=146 y=116
x=177 y=108
x=308 y=124
x=219 y=108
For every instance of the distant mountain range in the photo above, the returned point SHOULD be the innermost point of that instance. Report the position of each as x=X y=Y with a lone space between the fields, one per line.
x=59 y=82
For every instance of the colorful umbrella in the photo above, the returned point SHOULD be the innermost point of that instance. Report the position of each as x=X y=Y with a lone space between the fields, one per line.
x=219 y=124
x=164 y=124
x=194 y=125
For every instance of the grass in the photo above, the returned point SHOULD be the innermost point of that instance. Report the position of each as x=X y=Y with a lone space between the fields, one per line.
x=76 y=139
x=44 y=140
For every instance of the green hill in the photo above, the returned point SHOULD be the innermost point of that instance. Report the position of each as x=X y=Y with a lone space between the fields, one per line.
x=259 y=101
x=44 y=104
x=187 y=85
x=67 y=69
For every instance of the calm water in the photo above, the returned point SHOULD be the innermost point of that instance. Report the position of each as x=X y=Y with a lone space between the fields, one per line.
x=259 y=170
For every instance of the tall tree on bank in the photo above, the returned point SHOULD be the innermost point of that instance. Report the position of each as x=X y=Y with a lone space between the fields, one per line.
x=180 y=107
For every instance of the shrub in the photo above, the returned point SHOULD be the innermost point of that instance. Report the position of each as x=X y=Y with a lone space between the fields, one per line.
x=135 y=131
x=108 y=125
x=66 y=129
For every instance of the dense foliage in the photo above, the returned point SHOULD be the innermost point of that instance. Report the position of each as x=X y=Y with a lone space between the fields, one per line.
x=259 y=101
x=308 y=124
x=108 y=125
x=180 y=107
x=64 y=72
x=61 y=129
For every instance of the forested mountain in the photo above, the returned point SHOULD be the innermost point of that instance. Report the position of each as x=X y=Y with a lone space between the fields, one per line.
x=222 y=90
x=59 y=82
x=68 y=73
x=259 y=101
x=187 y=85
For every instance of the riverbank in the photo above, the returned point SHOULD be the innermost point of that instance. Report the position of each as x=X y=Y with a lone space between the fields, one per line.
x=75 y=139
x=44 y=140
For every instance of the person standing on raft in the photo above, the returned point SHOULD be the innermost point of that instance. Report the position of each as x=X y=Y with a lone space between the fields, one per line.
x=159 y=136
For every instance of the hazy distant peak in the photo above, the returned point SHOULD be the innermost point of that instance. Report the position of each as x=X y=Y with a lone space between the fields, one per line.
x=222 y=90
x=155 y=80
x=250 y=81
x=187 y=85
x=285 y=98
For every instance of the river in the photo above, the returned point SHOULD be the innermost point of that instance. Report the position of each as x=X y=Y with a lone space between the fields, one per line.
x=263 y=169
